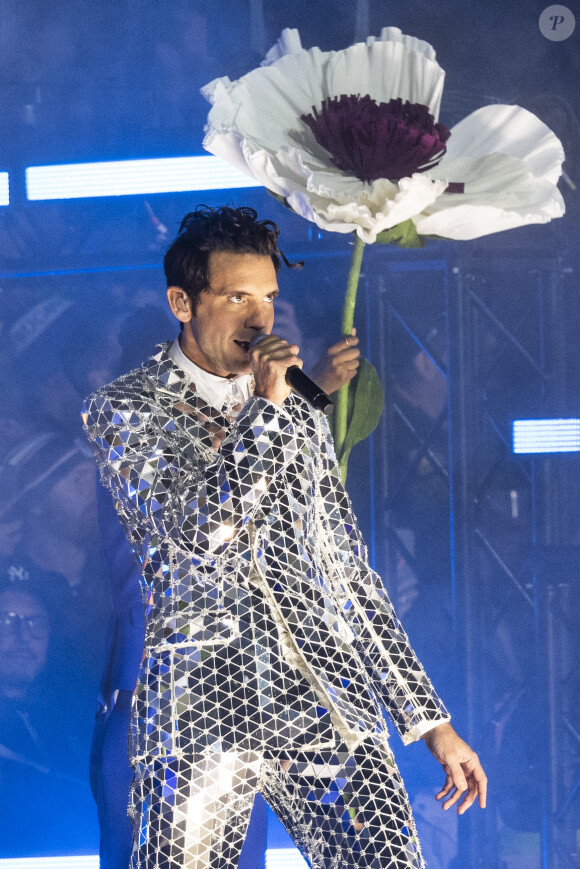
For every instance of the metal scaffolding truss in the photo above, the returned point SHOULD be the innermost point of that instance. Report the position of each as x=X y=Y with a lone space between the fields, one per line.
x=487 y=538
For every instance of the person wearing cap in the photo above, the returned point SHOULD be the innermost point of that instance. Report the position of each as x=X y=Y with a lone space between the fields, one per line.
x=45 y=801
x=271 y=648
x=48 y=482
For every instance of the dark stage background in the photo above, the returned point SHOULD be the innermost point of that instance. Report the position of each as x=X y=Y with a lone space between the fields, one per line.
x=478 y=548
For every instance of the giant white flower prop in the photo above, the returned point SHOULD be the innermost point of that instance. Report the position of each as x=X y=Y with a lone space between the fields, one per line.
x=351 y=140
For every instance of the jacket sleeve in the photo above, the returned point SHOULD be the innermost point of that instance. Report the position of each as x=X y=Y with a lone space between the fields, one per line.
x=168 y=489
x=397 y=675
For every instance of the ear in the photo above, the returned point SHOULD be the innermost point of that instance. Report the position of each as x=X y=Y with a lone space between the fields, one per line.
x=180 y=304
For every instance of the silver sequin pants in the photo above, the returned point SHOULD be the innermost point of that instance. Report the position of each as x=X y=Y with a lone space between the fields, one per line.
x=342 y=809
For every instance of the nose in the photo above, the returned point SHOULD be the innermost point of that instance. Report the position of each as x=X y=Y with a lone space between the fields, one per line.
x=256 y=319
x=14 y=640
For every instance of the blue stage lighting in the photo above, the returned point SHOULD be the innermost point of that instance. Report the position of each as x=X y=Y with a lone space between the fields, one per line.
x=4 y=189
x=80 y=862
x=276 y=858
x=546 y=436
x=131 y=177
x=285 y=858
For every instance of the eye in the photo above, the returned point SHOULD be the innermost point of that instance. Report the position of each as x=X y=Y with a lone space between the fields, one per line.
x=237 y=298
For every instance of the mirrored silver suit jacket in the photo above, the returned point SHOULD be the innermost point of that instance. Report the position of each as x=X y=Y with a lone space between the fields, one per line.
x=266 y=627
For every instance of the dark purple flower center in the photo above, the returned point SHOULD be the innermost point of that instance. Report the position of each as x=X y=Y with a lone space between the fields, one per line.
x=378 y=140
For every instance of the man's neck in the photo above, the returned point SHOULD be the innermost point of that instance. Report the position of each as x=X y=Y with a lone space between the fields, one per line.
x=190 y=351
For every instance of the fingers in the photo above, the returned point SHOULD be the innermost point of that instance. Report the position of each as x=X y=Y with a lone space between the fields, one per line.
x=273 y=349
x=458 y=781
x=338 y=365
x=464 y=776
x=270 y=359
x=346 y=348
x=481 y=782
x=447 y=787
x=477 y=785
x=464 y=789
x=272 y=344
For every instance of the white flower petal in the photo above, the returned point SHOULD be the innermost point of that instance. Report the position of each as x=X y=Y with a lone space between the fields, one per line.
x=411 y=43
x=500 y=193
x=466 y=222
x=288 y=42
x=507 y=159
x=266 y=169
x=301 y=165
x=497 y=177
x=406 y=68
x=229 y=146
x=351 y=217
x=385 y=71
x=509 y=130
x=367 y=208
x=301 y=203
x=415 y=194
x=266 y=104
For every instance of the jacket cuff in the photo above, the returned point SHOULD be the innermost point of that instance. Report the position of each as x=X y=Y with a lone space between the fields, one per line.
x=418 y=731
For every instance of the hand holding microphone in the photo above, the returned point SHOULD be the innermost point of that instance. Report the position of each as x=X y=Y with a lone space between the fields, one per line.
x=277 y=368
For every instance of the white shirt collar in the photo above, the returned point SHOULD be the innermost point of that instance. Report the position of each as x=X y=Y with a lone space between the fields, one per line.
x=211 y=387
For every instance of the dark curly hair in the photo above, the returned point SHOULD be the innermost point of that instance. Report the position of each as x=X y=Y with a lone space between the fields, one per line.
x=233 y=230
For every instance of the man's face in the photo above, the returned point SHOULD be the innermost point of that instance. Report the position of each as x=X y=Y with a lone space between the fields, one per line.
x=237 y=305
x=24 y=635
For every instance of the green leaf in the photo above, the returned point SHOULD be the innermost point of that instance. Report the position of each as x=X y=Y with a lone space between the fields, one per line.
x=281 y=199
x=403 y=235
x=366 y=400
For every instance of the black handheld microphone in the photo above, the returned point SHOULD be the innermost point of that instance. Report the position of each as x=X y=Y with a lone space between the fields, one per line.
x=303 y=385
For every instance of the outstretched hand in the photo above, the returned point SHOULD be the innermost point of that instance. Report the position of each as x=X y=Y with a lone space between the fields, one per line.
x=464 y=776
x=338 y=365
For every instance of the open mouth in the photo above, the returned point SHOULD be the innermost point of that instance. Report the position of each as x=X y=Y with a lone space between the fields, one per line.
x=245 y=345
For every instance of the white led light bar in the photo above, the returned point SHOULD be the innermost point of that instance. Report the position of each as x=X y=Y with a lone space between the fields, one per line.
x=81 y=862
x=131 y=177
x=276 y=858
x=4 y=189
x=546 y=436
x=285 y=858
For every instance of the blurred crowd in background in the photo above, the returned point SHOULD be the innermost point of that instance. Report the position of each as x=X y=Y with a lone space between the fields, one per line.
x=61 y=338
x=120 y=79
x=54 y=594
x=59 y=341
x=104 y=81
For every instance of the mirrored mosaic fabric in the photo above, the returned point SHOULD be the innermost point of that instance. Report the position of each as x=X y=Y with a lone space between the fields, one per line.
x=343 y=808
x=267 y=631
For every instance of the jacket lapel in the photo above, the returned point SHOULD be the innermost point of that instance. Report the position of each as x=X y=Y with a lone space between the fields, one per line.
x=187 y=412
x=190 y=413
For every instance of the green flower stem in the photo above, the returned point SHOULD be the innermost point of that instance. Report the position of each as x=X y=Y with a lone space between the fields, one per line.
x=341 y=405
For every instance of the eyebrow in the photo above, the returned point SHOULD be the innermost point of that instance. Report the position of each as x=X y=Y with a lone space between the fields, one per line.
x=234 y=292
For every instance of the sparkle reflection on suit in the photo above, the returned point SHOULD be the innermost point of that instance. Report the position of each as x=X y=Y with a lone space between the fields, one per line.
x=268 y=637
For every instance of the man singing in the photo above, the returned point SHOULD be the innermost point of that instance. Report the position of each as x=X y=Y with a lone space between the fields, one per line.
x=271 y=648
